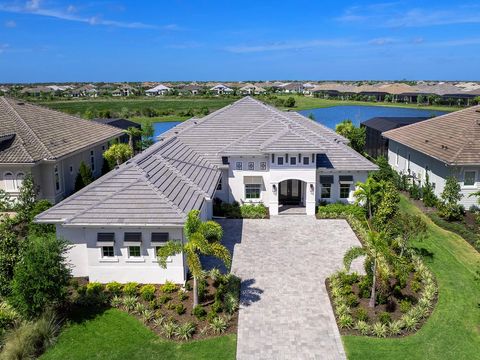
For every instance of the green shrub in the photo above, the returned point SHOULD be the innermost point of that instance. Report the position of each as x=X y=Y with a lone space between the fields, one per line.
x=182 y=295
x=163 y=299
x=405 y=306
x=385 y=317
x=169 y=329
x=218 y=324
x=139 y=308
x=348 y=279
x=147 y=292
x=415 y=285
x=116 y=301
x=211 y=230
x=459 y=228
x=230 y=303
x=351 y=300
x=415 y=191
x=130 y=289
x=171 y=306
x=410 y=322
x=180 y=309
x=216 y=275
x=129 y=302
x=168 y=287
x=345 y=321
x=254 y=211
x=94 y=288
x=41 y=278
x=211 y=315
x=395 y=327
x=202 y=289
x=114 y=288
x=336 y=210
x=147 y=315
x=199 y=312
x=217 y=306
x=8 y=316
x=185 y=331
x=363 y=327
x=379 y=329
x=361 y=314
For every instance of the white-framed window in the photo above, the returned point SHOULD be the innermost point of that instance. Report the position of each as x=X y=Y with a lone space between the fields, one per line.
x=108 y=252
x=9 y=181
x=251 y=165
x=280 y=160
x=19 y=180
x=56 y=176
x=239 y=165
x=469 y=177
x=92 y=160
x=326 y=191
x=134 y=251
x=344 y=191
x=252 y=191
x=263 y=165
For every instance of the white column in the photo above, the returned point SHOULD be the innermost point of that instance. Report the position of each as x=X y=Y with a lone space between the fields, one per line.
x=310 y=198
x=273 y=205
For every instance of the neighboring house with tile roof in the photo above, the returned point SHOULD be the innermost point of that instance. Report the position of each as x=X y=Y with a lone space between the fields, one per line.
x=158 y=90
x=445 y=145
x=247 y=152
x=221 y=89
x=48 y=144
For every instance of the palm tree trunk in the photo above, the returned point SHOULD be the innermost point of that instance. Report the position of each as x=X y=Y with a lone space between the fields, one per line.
x=130 y=141
x=371 y=303
x=195 y=291
x=369 y=210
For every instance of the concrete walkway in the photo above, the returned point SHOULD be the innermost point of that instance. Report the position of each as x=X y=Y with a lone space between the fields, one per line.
x=285 y=312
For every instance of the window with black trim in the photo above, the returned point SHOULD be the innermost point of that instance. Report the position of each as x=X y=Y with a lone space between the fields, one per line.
x=280 y=160
x=252 y=191
x=293 y=161
x=263 y=165
x=344 y=191
x=134 y=251
x=469 y=178
x=107 y=251
x=239 y=165
x=306 y=160
x=251 y=165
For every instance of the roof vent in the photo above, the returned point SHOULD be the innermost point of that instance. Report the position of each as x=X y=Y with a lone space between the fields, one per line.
x=20 y=103
x=426 y=140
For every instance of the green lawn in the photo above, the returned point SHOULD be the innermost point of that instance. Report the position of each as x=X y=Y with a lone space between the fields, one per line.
x=453 y=330
x=117 y=335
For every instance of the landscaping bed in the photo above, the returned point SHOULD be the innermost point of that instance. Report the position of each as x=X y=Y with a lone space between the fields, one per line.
x=237 y=211
x=168 y=309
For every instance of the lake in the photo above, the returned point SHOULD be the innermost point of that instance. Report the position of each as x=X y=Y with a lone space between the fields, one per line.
x=331 y=116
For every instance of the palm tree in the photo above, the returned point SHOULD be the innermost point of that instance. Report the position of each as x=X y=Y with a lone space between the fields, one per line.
x=132 y=133
x=377 y=253
x=118 y=153
x=196 y=244
x=368 y=194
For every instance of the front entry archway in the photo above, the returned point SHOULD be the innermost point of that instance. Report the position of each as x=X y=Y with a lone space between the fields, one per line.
x=291 y=192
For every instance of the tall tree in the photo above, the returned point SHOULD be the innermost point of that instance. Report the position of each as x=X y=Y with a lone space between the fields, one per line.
x=196 y=244
x=84 y=176
x=133 y=134
x=355 y=135
x=147 y=134
x=449 y=207
x=368 y=194
x=377 y=255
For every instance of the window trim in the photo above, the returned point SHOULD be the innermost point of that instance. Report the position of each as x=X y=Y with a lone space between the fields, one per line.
x=326 y=186
x=340 y=190
x=11 y=180
x=237 y=167
x=263 y=165
x=280 y=159
x=293 y=161
x=251 y=166
x=103 y=251
x=306 y=160
x=16 y=184
x=56 y=178
x=134 y=246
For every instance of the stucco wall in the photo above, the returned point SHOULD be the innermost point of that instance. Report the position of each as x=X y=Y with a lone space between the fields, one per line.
x=438 y=171
x=358 y=176
x=86 y=259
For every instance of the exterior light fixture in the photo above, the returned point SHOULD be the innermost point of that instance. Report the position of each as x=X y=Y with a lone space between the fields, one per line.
x=312 y=188
x=274 y=188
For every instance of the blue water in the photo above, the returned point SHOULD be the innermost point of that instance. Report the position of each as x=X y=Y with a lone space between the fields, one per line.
x=331 y=116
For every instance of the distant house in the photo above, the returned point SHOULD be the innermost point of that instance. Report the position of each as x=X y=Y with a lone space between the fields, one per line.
x=192 y=89
x=294 y=87
x=158 y=90
x=123 y=124
x=376 y=145
x=84 y=91
x=36 y=91
x=50 y=145
x=447 y=145
x=251 y=89
x=124 y=90
x=221 y=89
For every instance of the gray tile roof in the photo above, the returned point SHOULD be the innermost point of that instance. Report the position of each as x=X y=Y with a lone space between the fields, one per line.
x=156 y=188
x=161 y=185
x=41 y=133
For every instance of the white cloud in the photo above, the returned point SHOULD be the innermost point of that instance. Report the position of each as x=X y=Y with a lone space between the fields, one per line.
x=294 y=45
x=34 y=7
x=10 y=24
x=3 y=48
x=382 y=41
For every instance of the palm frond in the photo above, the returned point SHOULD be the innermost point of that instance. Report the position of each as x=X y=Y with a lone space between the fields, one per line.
x=221 y=252
x=351 y=255
x=171 y=248
x=194 y=264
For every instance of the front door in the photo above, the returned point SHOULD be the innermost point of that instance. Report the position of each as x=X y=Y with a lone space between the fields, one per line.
x=290 y=192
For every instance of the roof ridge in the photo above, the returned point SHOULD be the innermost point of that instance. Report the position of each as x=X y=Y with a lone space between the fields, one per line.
x=28 y=128
x=465 y=143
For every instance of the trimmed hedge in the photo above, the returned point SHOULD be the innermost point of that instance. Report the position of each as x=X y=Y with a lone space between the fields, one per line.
x=457 y=228
x=340 y=210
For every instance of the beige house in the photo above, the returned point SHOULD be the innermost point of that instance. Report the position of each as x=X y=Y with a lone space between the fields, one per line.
x=50 y=145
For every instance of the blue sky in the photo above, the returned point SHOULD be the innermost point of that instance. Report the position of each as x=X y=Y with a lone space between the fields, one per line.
x=61 y=41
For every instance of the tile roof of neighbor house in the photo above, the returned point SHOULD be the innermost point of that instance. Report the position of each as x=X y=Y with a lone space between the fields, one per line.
x=176 y=174
x=451 y=138
x=44 y=134
x=118 y=123
x=388 y=123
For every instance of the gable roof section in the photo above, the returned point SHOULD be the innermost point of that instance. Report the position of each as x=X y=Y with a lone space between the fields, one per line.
x=388 y=123
x=41 y=133
x=451 y=138
x=156 y=188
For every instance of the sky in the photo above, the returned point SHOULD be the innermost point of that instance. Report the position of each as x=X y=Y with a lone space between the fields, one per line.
x=181 y=40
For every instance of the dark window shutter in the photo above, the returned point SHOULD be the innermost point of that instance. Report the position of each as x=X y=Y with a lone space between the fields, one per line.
x=159 y=237
x=133 y=236
x=105 y=237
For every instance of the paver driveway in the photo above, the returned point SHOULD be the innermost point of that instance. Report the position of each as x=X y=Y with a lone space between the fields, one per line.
x=285 y=312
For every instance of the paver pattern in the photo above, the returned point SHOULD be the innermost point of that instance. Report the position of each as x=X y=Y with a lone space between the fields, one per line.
x=285 y=312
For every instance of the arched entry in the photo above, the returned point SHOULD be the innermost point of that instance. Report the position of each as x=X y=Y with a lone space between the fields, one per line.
x=291 y=192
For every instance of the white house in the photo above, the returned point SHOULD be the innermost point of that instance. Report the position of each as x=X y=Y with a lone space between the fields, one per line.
x=251 y=89
x=442 y=146
x=158 y=90
x=50 y=145
x=245 y=152
x=221 y=89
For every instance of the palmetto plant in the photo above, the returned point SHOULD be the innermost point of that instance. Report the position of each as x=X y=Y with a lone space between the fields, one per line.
x=196 y=244
x=377 y=253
